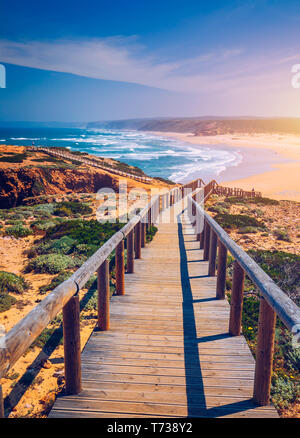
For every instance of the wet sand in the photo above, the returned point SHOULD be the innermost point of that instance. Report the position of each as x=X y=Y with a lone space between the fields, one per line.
x=269 y=163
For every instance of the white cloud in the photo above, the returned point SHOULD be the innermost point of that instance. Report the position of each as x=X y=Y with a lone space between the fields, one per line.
x=121 y=59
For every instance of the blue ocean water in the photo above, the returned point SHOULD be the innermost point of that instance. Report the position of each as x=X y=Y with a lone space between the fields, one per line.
x=155 y=155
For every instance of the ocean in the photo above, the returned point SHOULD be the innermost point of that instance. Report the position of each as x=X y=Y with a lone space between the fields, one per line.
x=156 y=155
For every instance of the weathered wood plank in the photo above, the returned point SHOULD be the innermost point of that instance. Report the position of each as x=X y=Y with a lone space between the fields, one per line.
x=168 y=353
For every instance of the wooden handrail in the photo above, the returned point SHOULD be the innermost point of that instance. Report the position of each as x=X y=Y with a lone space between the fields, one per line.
x=21 y=336
x=65 y=296
x=90 y=162
x=273 y=299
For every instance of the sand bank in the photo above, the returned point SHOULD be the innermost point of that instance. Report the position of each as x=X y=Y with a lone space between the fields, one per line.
x=270 y=162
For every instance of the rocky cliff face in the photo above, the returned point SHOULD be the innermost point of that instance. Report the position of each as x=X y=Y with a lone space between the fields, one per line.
x=19 y=183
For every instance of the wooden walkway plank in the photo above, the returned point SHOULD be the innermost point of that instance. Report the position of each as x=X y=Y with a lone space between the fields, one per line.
x=168 y=352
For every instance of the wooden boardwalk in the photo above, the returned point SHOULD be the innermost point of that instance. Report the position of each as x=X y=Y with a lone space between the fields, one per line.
x=168 y=352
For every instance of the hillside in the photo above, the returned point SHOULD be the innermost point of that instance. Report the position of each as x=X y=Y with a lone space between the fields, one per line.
x=207 y=125
x=26 y=174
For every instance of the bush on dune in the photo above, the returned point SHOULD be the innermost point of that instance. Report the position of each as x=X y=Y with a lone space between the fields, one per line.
x=6 y=301
x=89 y=232
x=68 y=208
x=283 y=268
x=43 y=225
x=151 y=233
x=282 y=234
x=10 y=282
x=18 y=231
x=231 y=221
x=257 y=200
x=50 y=263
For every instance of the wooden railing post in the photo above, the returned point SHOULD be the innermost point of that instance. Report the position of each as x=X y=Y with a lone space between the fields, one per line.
x=137 y=230
x=120 y=269
x=148 y=222
x=103 y=296
x=264 y=353
x=193 y=209
x=222 y=262
x=130 y=252
x=212 y=253
x=72 y=350
x=206 y=240
x=143 y=235
x=1 y=403
x=198 y=220
x=236 y=302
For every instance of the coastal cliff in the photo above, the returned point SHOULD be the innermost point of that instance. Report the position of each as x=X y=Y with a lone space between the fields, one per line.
x=26 y=174
x=18 y=184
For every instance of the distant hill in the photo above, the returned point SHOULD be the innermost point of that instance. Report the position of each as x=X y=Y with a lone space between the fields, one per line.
x=208 y=125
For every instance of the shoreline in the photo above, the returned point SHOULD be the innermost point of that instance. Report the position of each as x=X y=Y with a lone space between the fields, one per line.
x=270 y=162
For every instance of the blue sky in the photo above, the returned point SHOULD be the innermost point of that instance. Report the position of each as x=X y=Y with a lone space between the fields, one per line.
x=109 y=59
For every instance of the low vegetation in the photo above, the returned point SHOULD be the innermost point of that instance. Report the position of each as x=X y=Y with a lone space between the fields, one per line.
x=10 y=282
x=13 y=283
x=6 y=301
x=282 y=234
x=18 y=231
x=284 y=269
x=238 y=221
x=151 y=233
x=50 y=263
x=257 y=200
x=16 y=158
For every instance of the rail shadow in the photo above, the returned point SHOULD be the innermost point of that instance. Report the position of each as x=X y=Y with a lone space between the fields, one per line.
x=194 y=391
x=196 y=401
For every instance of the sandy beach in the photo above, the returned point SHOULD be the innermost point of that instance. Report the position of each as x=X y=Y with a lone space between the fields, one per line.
x=270 y=162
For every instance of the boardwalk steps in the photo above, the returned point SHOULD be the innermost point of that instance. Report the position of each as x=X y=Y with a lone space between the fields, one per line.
x=168 y=352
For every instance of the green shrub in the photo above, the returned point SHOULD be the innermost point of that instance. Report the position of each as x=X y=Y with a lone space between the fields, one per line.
x=89 y=232
x=284 y=392
x=74 y=207
x=258 y=212
x=86 y=250
x=6 y=301
x=18 y=231
x=258 y=200
x=284 y=348
x=246 y=230
x=219 y=208
x=151 y=233
x=13 y=222
x=282 y=267
x=63 y=245
x=15 y=216
x=44 y=208
x=281 y=234
x=50 y=263
x=10 y=282
x=230 y=221
x=62 y=211
x=43 y=225
x=17 y=158
x=250 y=317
